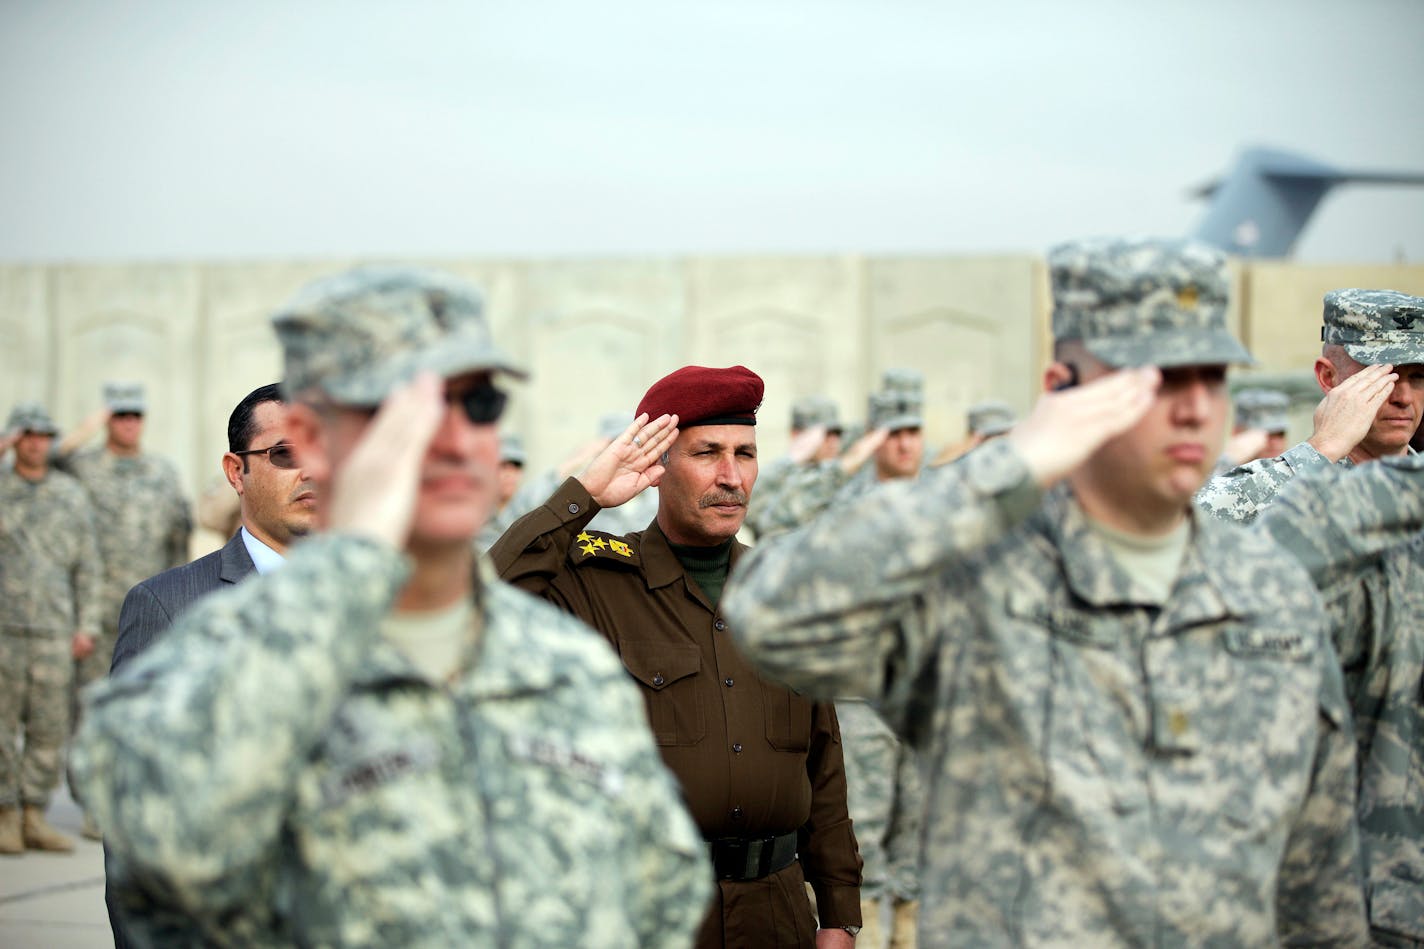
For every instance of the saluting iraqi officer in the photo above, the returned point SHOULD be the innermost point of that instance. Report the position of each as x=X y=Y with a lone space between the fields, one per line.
x=1132 y=723
x=380 y=744
x=761 y=767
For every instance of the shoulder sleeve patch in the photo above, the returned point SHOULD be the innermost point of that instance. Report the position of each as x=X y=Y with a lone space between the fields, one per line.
x=598 y=546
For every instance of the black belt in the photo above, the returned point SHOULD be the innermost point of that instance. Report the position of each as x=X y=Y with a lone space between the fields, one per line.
x=735 y=858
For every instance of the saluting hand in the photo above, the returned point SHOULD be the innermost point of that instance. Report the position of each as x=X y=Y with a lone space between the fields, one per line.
x=1346 y=413
x=81 y=646
x=1065 y=428
x=862 y=449
x=631 y=462
x=374 y=492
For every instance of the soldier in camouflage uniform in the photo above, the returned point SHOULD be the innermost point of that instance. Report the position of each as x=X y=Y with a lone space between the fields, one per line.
x=1125 y=743
x=815 y=440
x=1368 y=521
x=49 y=612
x=1378 y=336
x=381 y=744
x=142 y=518
x=1371 y=369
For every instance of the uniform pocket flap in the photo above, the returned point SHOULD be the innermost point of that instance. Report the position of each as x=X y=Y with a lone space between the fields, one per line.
x=659 y=665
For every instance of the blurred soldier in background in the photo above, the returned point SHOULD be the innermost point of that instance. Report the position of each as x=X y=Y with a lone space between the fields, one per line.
x=1265 y=411
x=380 y=743
x=1124 y=745
x=815 y=439
x=142 y=519
x=50 y=578
x=984 y=420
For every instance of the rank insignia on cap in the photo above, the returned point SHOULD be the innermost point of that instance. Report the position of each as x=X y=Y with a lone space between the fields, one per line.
x=589 y=545
x=1187 y=298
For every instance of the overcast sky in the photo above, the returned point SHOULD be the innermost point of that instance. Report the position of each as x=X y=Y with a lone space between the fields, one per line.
x=190 y=129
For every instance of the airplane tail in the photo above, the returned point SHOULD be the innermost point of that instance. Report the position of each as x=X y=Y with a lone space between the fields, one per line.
x=1260 y=208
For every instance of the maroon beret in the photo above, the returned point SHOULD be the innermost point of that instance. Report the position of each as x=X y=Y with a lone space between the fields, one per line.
x=699 y=395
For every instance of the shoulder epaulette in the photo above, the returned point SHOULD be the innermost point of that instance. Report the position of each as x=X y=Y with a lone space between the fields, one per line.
x=596 y=545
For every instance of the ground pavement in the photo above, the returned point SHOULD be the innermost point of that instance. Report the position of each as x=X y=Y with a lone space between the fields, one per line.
x=55 y=901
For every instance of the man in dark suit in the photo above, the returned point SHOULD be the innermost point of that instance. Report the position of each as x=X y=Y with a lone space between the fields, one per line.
x=277 y=505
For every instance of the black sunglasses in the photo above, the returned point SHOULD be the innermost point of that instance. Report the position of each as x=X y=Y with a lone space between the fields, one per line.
x=483 y=404
x=280 y=455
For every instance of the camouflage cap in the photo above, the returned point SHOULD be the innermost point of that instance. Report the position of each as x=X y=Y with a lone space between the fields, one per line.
x=1375 y=326
x=990 y=417
x=812 y=410
x=900 y=401
x=124 y=397
x=1144 y=302
x=895 y=410
x=511 y=449
x=1262 y=408
x=31 y=417
x=357 y=335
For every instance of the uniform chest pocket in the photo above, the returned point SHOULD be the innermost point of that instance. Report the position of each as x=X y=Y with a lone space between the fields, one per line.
x=669 y=675
x=788 y=718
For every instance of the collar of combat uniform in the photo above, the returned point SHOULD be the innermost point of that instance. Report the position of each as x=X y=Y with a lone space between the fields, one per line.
x=502 y=660
x=1204 y=591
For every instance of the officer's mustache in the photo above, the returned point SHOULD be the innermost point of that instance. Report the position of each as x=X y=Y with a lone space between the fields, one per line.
x=723 y=497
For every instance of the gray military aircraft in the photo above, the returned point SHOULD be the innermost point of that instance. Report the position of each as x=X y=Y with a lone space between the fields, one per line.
x=1263 y=204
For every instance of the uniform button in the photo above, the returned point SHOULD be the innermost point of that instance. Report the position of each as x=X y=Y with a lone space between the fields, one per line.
x=737 y=747
x=573 y=508
x=736 y=813
x=729 y=682
x=720 y=625
x=658 y=679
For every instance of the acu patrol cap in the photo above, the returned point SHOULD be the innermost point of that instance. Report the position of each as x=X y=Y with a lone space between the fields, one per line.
x=900 y=401
x=1375 y=326
x=990 y=417
x=357 y=335
x=812 y=410
x=1144 y=302
x=31 y=417
x=1262 y=408
x=511 y=449
x=124 y=397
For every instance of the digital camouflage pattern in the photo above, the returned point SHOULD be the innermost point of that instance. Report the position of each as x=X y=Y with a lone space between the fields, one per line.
x=1241 y=493
x=812 y=410
x=1265 y=409
x=990 y=417
x=49 y=590
x=284 y=775
x=31 y=417
x=1101 y=772
x=885 y=797
x=1375 y=326
x=357 y=335
x=900 y=401
x=1144 y=302
x=125 y=397
x=1360 y=533
x=142 y=524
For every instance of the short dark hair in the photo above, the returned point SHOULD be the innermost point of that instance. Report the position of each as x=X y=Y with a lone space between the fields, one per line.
x=240 y=425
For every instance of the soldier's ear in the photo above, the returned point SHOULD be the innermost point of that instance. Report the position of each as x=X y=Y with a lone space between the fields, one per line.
x=1326 y=376
x=232 y=467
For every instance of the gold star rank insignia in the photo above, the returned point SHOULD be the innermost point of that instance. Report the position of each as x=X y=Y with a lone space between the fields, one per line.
x=584 y=536
x=589 y=549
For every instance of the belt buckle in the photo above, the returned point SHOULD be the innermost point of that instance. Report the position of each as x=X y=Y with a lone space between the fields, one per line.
x=752 y=868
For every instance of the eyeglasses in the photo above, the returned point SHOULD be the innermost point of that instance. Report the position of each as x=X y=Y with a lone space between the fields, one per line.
x=483 y=404
x=280 y=455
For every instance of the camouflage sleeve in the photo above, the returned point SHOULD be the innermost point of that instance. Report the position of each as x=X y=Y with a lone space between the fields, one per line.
x=187 y=757
x=88 y=571
x=827 y=847
x=829 y=608
x=1320 y=894
x=534 y=551
x=1243 y=492
x=180 y=529
x=1336 y=520
x=804 y=495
